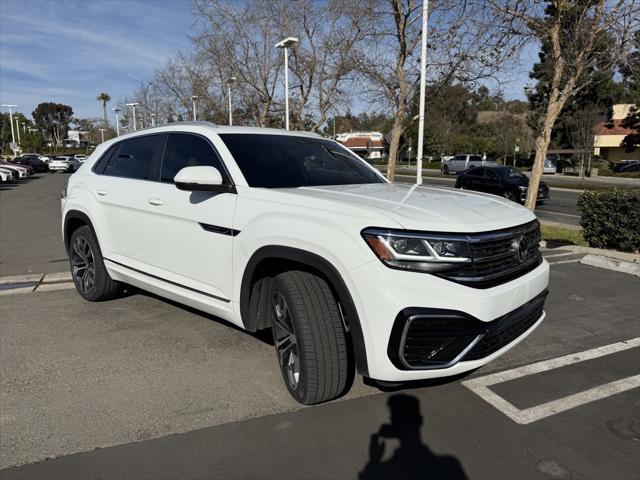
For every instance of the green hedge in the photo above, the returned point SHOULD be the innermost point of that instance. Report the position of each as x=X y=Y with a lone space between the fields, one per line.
x=611 y=219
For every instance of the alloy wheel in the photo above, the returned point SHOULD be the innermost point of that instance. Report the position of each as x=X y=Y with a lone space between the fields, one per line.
x=83 y=266
x=285 y=340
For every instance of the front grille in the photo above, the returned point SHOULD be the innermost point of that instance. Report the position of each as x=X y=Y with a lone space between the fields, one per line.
x=495 y=258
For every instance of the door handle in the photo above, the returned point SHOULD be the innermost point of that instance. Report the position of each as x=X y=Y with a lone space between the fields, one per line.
x=102 y=192
x=155 y=201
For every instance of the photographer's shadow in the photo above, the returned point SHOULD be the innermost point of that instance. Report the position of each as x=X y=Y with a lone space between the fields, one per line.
x=412 y=459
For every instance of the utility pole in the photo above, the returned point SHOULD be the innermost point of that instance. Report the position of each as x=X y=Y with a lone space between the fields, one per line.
x=133 y=110
x=13 y=135
x=193 y=101
x=423 y=80
x=229 y=82
x=117 y=110
x=153 y=119
x=285 y=44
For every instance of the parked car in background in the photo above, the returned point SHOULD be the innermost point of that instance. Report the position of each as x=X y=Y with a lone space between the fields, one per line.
x=44 y=158
x=12 y=175
x=23 y=170
x=630 y=167
x=549 y=167
x=5 y=176
x=64 y=163
x=33 y=161
x=460 y=163
x=508 y=182
x=620 y=166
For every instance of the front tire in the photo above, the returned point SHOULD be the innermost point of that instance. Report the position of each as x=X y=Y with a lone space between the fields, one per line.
x=309 y=337
x=89 y=274
x=509 y=195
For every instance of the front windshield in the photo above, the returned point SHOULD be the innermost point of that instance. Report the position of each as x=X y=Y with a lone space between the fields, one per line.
x=512 y=173
x=286 y=161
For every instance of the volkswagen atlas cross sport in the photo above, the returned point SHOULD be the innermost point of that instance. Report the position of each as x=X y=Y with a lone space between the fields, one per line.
x=291 y=231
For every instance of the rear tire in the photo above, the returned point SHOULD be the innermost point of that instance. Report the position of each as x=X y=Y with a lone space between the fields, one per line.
x=89 y=274
x=309 y=337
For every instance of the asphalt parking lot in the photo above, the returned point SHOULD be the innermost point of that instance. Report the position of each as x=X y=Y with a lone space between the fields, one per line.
x=140 y=387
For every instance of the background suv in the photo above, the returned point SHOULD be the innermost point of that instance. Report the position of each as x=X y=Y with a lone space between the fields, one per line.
x=290 y=231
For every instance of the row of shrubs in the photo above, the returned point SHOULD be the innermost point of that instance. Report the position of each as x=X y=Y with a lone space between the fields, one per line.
x=611 y=218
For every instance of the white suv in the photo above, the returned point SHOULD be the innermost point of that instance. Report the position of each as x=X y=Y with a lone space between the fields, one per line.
x=290 y=231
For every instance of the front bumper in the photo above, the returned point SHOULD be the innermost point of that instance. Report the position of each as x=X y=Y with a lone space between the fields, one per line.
x=384 y=294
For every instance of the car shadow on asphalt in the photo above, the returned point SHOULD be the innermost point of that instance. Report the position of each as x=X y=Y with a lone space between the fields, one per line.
x=413 y=459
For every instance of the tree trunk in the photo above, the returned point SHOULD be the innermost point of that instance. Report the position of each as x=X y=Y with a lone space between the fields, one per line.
x=104 y=111
x=396 y=133
x=542 y=145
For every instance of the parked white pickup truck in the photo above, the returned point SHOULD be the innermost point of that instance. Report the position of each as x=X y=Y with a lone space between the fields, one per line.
x=460 y=163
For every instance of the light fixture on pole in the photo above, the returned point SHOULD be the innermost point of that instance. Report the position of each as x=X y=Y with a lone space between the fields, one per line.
x=102 y=133
x=193 y=103
x=133 y=110
x=229 y=82
x=423 y=79
x=13 y=135
x=285 y=44
x=116 y=111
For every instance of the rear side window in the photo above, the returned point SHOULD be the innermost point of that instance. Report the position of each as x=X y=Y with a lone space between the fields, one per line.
x=459 y=158
x=185 y=150
x=475 y=158
x=491 y=174
x=134 y=159
x=475 y=172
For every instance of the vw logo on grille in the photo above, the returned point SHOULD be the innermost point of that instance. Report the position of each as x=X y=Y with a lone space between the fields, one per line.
x=523 y=250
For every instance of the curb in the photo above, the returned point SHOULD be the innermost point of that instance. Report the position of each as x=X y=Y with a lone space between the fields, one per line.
x=567 y=226
x=614 y=254
x=37 y=282
x=631 y=268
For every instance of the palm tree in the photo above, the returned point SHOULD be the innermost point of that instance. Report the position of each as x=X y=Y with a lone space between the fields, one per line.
x=104 y=98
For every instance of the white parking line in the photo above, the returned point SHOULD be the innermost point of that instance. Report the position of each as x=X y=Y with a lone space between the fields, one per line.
x=558 y=213
x=480 y=386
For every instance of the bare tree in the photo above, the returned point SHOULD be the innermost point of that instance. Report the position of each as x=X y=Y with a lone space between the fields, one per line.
x=465 y=45
x=574 y=33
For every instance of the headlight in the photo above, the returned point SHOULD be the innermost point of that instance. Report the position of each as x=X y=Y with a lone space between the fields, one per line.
x=423 y=252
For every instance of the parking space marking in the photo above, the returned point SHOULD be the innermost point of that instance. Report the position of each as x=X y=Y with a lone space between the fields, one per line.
x=480 y=386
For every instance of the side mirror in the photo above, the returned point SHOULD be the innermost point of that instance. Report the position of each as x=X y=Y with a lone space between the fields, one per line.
x=201 y=179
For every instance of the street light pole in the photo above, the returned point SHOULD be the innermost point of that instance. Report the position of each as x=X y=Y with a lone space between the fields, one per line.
x=102 y=133
x=116 y=110
x=13 y=135
x=285 y=44
x=133 y=110
x=423 y=79
x=229 y=82
x=153 y=119
x=193 y=102
x=24 y=127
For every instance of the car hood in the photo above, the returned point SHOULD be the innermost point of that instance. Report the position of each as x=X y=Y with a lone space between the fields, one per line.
x=427 y=208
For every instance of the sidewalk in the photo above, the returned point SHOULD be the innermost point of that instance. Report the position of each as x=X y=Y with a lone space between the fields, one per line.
x=552 y=180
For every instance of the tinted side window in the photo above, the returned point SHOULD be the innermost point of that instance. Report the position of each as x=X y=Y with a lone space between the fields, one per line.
x=184 y=150
x=475 y=158
x=491 y=174
x=460 y=158
x=134 y=159
x=475 y=172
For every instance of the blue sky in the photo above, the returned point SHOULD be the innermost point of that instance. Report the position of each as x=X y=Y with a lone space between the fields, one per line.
x=70 y=51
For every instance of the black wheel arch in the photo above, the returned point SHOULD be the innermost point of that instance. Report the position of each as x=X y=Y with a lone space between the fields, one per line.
x=73 y=220
x=251 y=291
